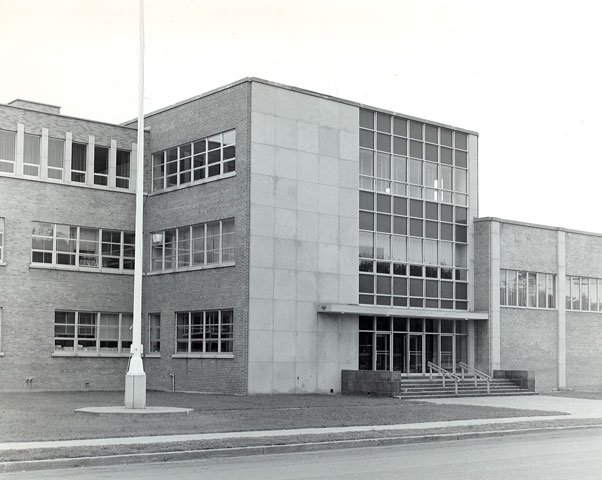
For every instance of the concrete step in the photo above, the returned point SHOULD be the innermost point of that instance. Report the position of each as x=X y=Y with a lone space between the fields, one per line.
x=452 y=395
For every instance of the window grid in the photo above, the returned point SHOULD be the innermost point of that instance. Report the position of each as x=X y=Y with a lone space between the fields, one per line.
x=527 y=289
x=402 y=238
x=193 y=246
x=122 y=174
x=56 y=153
x=78 y=162
x=154 y=333
x=31 y=155
x=583 y=294
x=432 y=165
x=90 y=248
x=7 y=151
x=207 y=332
x=101 y=165
x=195 y=162
x=1 y=240
x=92 y=333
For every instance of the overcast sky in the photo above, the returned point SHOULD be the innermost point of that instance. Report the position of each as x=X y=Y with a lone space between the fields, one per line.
x=524 y=74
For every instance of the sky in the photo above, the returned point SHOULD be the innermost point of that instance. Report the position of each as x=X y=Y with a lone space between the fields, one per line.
x=526 y=75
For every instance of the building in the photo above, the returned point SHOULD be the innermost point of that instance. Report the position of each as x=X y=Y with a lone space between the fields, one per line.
x=289 y=235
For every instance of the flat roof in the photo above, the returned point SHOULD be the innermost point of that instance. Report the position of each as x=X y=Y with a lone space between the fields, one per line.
x=119 y=125
x=536 y=225
x=306 y=92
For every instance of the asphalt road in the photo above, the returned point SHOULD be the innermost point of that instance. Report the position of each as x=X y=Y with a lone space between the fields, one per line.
x=571 y=454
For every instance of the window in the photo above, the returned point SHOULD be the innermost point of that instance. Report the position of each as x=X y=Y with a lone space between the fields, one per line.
x=92 y=333
x=583 y=294
x=71 y=246
x=78 y=162
x=208 y=333
x=56 y=151
x=193 y=246
x=122 y=175
x=1 y=240
x=101 y=165
x=7 y=151
x=527 y=289
x=154 y=333
x=196 y=161
x=31 y=155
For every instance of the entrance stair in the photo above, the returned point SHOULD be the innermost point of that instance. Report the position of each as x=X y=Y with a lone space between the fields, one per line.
x=468 y=382
x=416 y=388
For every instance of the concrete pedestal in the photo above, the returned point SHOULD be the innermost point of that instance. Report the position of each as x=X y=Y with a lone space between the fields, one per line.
x=135 y=390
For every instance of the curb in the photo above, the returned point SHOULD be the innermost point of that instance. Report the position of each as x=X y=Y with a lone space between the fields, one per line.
x=132 y=458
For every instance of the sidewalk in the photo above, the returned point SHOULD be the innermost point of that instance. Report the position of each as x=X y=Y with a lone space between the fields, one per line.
x=556 y=412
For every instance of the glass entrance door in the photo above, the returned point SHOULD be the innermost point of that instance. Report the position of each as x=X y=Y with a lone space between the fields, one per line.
x=400 y=349
x=415 y=353
x=383 y=351
x=447 y=359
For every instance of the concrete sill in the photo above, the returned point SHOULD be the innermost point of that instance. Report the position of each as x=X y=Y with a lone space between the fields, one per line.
x=111 y=271
x=1 y=354
x=202 y=355
x=194 y=184
x=193 y=269
x=90 y=355
x=152 y=355
x=2 y=264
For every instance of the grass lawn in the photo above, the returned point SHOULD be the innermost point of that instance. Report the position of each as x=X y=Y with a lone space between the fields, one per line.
x=27 y=416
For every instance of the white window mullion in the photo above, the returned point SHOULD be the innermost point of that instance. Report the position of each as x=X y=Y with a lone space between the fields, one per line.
x=176 y=249
x=163 y=250
x=219 y=248
x=122 y=250
x=75 y=334
x=204 y=332
x=178 y=166
x=190 y=249
x=219 y=331
x=189 y=332
x=205 y=248
x=97 y=333
x=54 y=254
x=119 y=339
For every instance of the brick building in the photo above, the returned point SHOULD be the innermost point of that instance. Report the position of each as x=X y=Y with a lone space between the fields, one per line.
x=289 y=235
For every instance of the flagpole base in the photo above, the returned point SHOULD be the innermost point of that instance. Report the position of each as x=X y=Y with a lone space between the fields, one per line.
x=135 y=384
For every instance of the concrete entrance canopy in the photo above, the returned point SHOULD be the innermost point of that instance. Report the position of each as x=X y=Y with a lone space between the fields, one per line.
x=382 y=311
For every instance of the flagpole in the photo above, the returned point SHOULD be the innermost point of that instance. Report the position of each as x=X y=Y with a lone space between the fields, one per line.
x=135 y=379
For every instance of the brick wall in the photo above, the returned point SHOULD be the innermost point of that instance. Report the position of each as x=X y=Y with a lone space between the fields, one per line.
x=201 y=289
x=584 y=350
x=29 y=296
x=529 y=342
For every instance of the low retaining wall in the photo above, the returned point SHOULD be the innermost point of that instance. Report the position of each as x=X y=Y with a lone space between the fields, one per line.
x=522 y=378
x=369 y=382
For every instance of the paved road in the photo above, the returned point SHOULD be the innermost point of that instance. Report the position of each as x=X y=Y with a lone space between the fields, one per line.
x=557 y=455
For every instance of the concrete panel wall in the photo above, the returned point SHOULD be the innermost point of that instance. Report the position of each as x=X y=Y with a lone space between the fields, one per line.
x=482 y=266
x=304 y=239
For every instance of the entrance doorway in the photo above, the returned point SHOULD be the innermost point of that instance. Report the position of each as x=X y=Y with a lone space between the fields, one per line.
x=406 y=345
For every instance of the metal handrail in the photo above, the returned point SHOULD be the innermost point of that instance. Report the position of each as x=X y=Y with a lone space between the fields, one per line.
x=477 y=374
x=444 y=373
